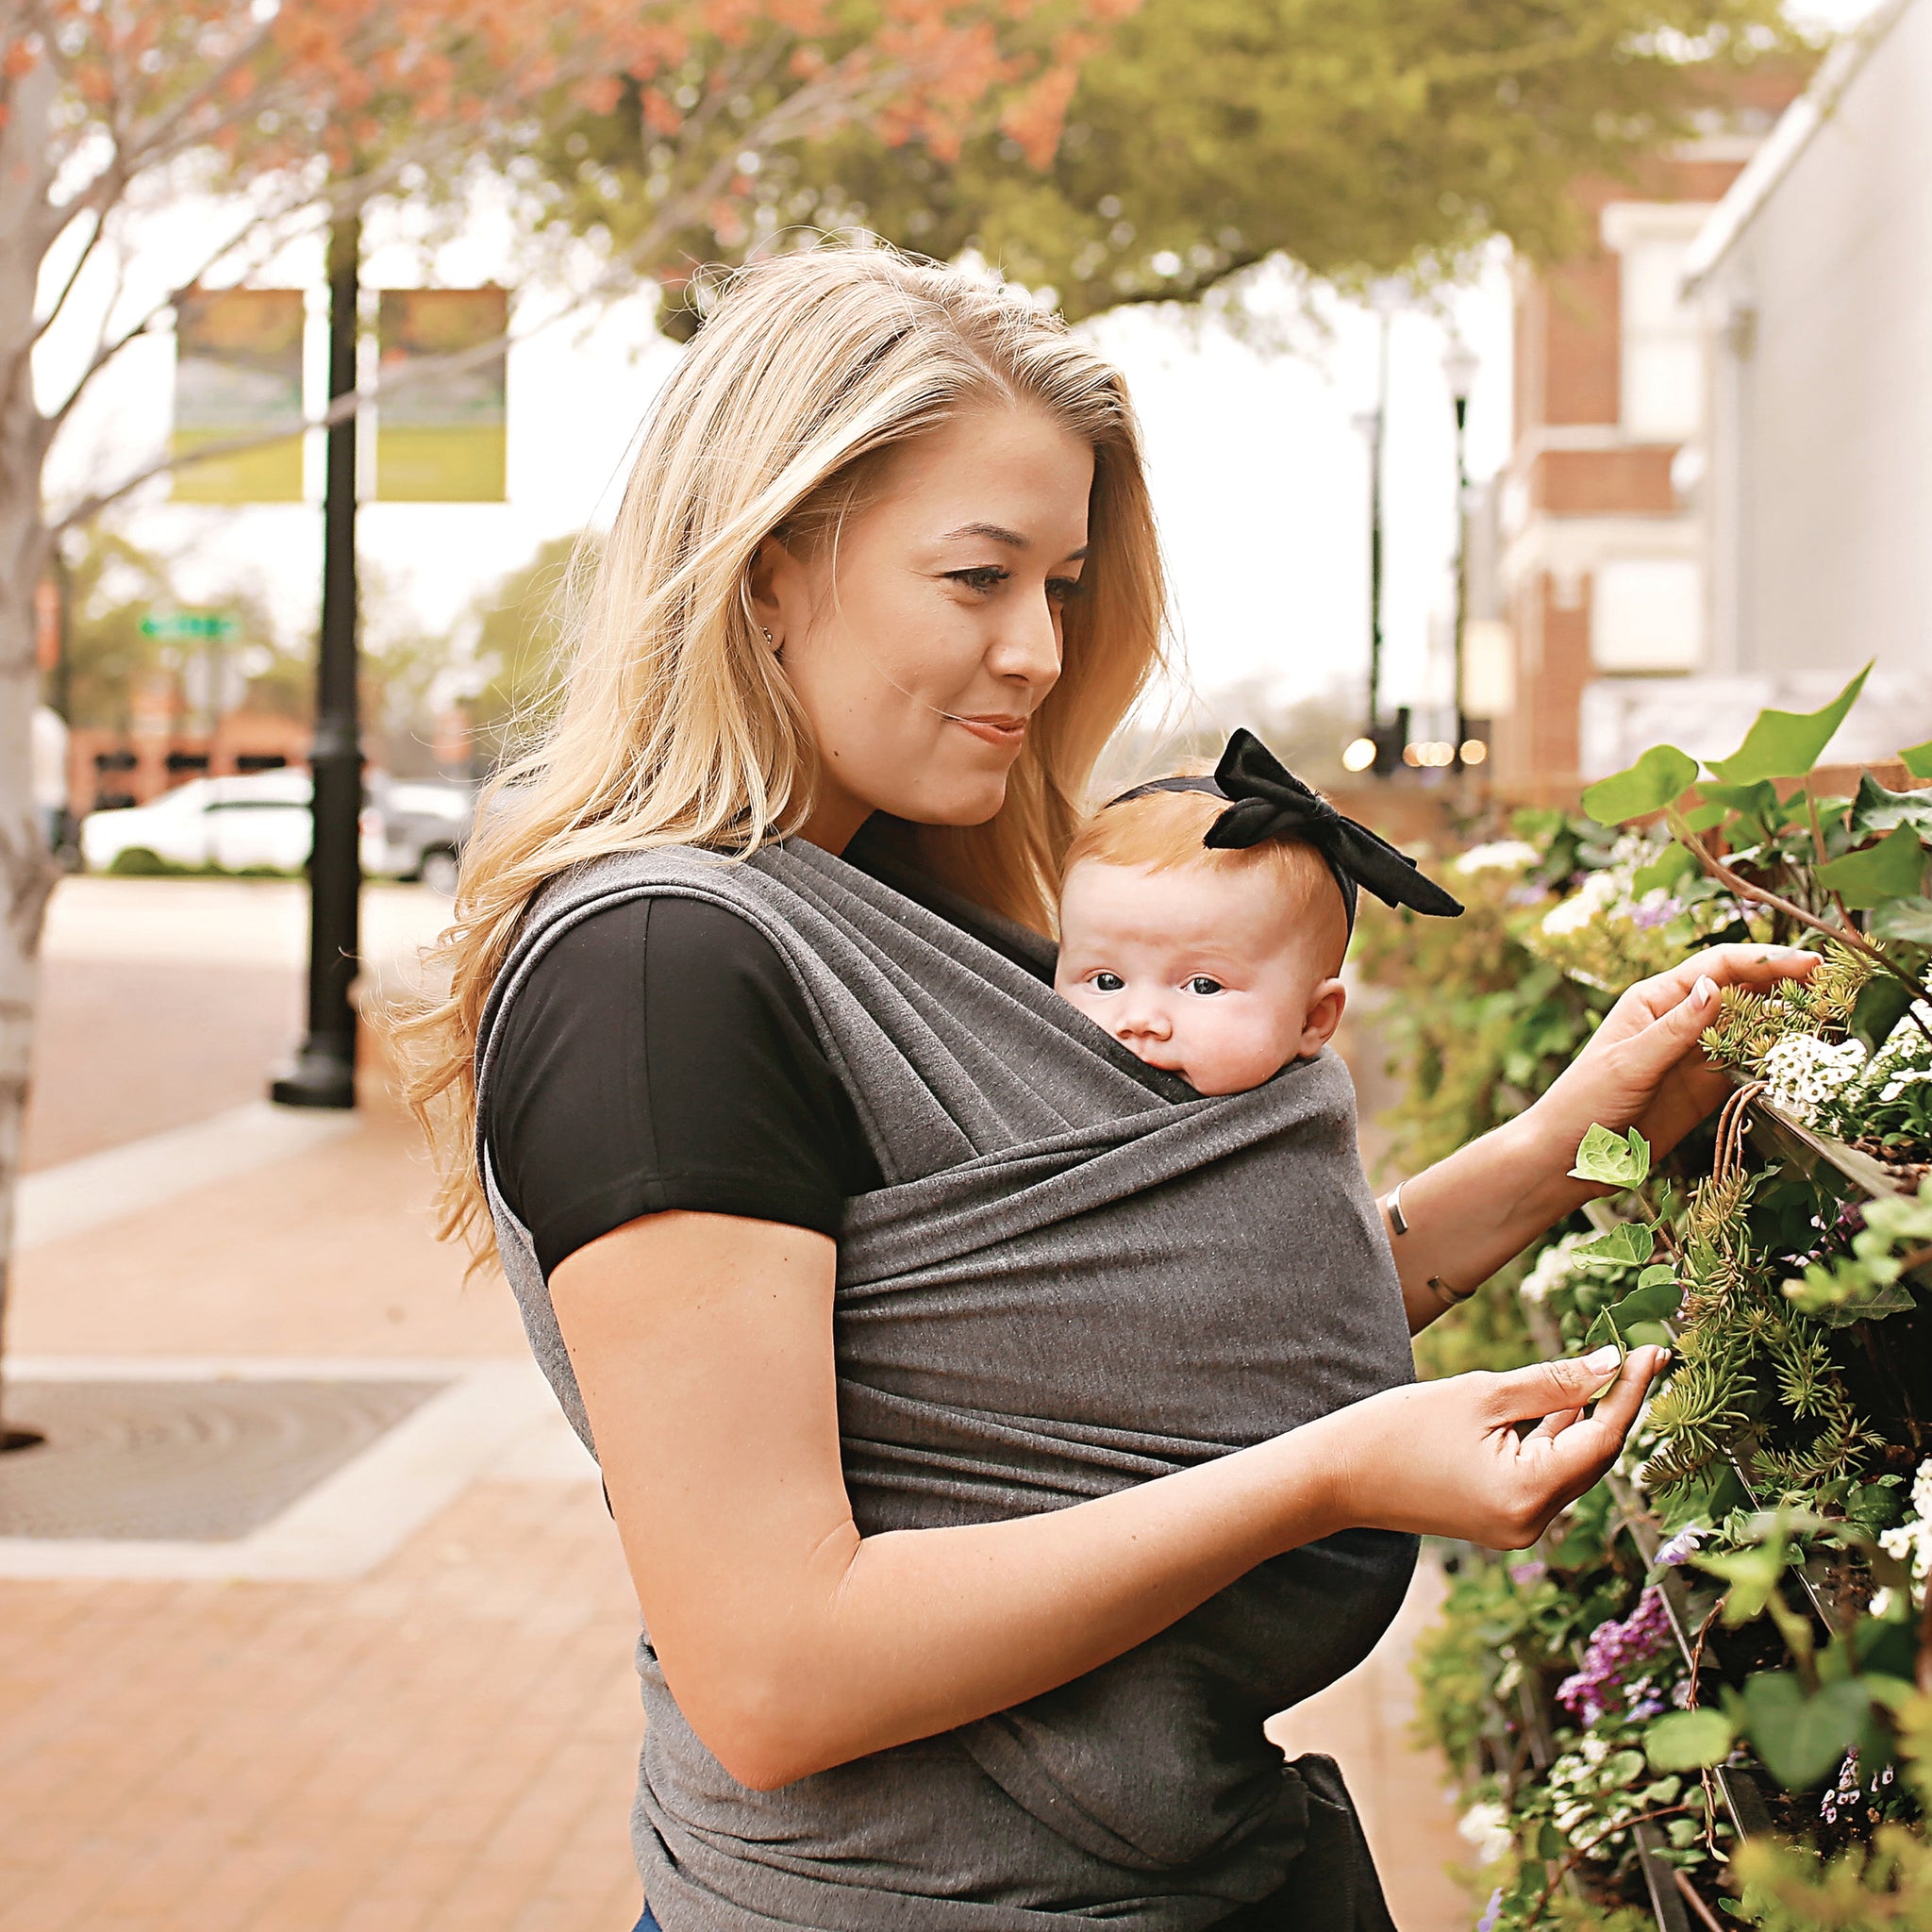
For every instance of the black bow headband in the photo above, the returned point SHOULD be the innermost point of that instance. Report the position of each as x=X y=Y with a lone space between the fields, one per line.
x=1268 y=801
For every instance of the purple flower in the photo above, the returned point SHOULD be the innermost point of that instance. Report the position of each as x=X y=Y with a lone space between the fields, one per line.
x=1614 y=1652
x=1492 y=1912
x=1530 y=1571
x=1682 y=1546
x=1646 y=916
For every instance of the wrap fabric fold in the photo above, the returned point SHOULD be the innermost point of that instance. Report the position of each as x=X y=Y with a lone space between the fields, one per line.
x=1077 y=1276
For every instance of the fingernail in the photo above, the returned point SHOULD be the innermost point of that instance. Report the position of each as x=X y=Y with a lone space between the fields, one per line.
x=1706 y=990
x=1604 y=1358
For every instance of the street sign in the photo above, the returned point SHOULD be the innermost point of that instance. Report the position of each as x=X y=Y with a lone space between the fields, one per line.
x=181 y=626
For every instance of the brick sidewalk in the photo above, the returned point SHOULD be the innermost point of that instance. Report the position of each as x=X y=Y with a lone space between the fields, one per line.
x=446 y=1744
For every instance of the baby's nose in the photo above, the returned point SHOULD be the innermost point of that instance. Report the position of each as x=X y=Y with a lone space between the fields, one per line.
x=1146 y=1023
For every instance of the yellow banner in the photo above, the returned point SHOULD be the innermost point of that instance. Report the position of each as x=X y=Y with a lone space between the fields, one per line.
x=238 y=371
x=439 y=438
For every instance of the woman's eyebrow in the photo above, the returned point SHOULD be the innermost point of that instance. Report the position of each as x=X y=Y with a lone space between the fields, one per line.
x=998 y=533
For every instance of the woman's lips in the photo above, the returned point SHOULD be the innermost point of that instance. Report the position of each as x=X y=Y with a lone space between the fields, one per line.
x=1006 y=731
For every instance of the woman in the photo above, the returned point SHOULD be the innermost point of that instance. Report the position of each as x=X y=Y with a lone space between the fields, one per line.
x=997 y=1431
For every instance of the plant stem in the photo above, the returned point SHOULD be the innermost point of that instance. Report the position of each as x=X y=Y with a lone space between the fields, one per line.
x=1692 y=1899
x=1845 y=933
x=1562 y=1871
x=1818 y=846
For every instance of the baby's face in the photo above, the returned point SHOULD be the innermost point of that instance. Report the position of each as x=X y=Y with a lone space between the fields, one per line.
x=1204 y=972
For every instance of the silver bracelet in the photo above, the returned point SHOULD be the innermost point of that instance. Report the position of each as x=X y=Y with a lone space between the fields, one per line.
x=1398 y=1222
x=1397 y=1219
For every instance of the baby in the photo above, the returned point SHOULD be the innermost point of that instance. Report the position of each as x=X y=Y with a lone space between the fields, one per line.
x=1203 y=921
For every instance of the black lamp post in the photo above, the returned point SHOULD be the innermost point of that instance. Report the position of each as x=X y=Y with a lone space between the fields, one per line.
x=325 y=1070
x=1460 y=368
x=1387 y=739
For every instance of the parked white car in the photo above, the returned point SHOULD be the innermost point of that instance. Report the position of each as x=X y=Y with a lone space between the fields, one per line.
x=259 y=819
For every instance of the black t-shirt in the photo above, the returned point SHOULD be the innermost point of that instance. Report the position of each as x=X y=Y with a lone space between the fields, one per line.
x=661 y=1055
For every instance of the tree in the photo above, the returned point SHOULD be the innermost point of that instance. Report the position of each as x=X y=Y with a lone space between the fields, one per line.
x=1357 y=137
x=518 y=649
x=295 y=117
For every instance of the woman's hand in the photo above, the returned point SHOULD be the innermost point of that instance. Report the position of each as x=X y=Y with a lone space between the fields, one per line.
x=1643 y=1068
x=1444 y=1458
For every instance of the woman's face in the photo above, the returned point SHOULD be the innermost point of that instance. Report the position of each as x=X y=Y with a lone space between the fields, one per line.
x=923 y=640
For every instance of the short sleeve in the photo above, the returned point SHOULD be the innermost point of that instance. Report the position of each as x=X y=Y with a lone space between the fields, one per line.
x=661 y=1055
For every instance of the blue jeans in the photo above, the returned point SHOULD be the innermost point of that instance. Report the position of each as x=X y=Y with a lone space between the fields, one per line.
x=647 y=1924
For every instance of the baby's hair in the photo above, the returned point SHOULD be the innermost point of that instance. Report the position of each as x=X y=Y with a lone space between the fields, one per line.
x=1162 y=831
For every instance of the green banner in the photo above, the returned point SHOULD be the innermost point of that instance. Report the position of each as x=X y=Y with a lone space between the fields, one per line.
x=238 y=371
x=439 y=438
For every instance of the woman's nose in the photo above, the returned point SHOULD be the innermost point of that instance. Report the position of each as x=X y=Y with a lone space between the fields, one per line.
x=1028 y=650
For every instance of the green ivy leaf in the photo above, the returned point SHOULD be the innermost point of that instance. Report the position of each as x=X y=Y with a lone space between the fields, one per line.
x=1629 y=1243
x=1668 y=869
x=1752 y=1573
x=1908 y=921
x=1876 y=809
x=1701 y=818
x=1802 y=1739
x=1659 y=777
x=1917 y=759
x=1656 y=1302
x=1758 y=801
x=1785 y=744
x=1880 y=1006
x=1612 y=1160
x=1892 y=869
x=1688 y=1739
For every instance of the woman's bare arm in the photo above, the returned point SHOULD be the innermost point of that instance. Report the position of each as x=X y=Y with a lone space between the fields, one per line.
x=703 y=1346
x=1487 y=1202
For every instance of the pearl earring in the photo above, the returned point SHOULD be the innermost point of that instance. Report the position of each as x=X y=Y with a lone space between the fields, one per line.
x=768 y=637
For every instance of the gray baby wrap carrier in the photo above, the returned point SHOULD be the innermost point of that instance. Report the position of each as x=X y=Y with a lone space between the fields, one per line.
x=1077 y=1276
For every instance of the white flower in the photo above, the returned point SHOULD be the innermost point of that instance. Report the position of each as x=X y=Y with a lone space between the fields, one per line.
x=1499 y=855
x=1598 y=891
x=1910 y=1542
x=1804 y=1073
x=1486 y=1826
x=1552 y=1269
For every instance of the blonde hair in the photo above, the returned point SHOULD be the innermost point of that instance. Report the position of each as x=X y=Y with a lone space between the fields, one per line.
x=1162 y=831
x=676 y=727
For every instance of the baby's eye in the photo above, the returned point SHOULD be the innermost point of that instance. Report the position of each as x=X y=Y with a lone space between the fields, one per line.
x=1204 y=985
x=1105 y=982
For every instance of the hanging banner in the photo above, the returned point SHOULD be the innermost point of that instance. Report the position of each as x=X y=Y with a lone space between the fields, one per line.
x=439 y=438
x=238 y=371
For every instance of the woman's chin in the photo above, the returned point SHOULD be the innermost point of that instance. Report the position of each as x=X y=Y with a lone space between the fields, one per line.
x=967 y=805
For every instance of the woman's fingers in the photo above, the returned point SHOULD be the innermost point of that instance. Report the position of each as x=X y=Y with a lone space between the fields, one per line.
x=1546 y=1389
x=1731 y=965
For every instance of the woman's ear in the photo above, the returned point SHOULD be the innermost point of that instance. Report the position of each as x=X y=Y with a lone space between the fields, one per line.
x=1323 y=1017
x=776 y=588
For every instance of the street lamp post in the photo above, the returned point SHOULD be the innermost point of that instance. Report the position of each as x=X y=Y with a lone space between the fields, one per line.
x=325 y=1070
x=1460 y=367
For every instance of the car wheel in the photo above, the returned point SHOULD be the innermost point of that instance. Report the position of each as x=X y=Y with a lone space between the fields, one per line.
x=139 y=861
x=438 y=872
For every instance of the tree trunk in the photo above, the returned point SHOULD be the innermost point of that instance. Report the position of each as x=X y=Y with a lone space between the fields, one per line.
x=27 y=870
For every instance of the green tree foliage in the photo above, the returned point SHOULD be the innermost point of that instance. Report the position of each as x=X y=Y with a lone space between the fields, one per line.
x=112 y=585
x=518 y=649
x=1357 y=137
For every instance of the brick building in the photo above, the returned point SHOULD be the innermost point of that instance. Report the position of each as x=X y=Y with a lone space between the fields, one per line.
x=1601 y=551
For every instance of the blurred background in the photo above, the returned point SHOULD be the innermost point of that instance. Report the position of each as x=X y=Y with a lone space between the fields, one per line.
x=1524 y=381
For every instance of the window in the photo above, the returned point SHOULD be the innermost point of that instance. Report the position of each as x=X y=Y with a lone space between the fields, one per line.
x=1662 y=351
x=1647 y=614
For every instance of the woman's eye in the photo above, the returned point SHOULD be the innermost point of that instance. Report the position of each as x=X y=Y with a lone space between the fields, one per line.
x=1107 y=982
x=1203 y=985
x=985 y=577
x=1063 y=590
